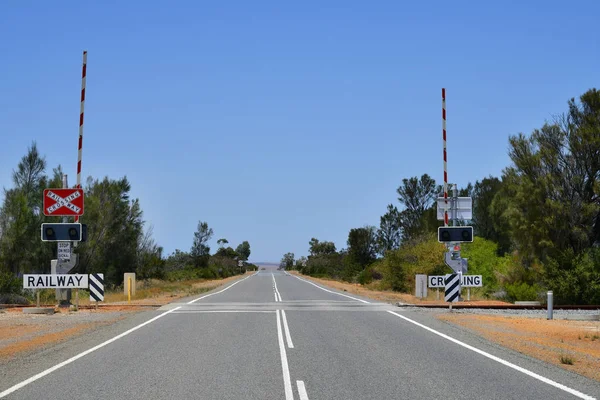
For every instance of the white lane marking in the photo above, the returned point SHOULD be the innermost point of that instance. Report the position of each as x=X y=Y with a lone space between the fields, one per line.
x=276 y=290
x=220 y=291
x=330 y=291
x=78 y=356
x=287 y=383
x=302 y=390
x=275 y=286
x=498 y=359
x=288 y=337
x=222 y=311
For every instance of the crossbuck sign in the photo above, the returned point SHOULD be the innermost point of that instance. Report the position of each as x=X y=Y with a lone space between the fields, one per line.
x=63 y=202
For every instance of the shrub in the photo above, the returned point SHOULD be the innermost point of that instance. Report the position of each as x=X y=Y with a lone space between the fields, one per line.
x=366 y=276
x=522 y=291
x=9 y=283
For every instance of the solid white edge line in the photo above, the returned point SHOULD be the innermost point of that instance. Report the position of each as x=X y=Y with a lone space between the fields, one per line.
x=330 y=291
x=302 y=390
x=78 y=356
x=220 y=291
x=500 y=360
x=287 y=383
x=288 y=337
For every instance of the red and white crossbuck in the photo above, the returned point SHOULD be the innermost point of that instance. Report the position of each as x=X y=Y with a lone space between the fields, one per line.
x=63 y=202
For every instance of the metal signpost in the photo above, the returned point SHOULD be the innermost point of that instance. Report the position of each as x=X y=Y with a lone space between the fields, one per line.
x=460 y=209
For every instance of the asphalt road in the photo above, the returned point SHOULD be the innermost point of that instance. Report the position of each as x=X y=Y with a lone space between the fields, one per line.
x=276 y=336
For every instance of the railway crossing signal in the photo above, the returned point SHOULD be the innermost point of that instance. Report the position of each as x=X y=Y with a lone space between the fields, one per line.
x=455 y=234
x=61 y=232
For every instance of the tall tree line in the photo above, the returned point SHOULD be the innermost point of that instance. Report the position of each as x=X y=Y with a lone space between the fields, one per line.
x=541 y=217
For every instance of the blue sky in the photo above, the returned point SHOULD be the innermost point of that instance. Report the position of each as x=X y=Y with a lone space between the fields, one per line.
x=277 y=122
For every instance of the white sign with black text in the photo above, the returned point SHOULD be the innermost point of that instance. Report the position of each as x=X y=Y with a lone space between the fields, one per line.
x=437 y=281
x=62 y=281
x=64 y=251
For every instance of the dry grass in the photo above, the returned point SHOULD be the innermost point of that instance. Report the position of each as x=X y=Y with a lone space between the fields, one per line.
x=162 y=292
x=566 y=343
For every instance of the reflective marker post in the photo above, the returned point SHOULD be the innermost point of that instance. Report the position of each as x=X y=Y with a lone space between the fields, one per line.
x=550 y=304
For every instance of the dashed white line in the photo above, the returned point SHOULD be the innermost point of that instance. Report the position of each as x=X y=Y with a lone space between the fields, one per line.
x=498 y=359
x=287 y=383
x=220 y=291
x=288 y=337
x=331 y=291
x=78 y=356
x=302 y=390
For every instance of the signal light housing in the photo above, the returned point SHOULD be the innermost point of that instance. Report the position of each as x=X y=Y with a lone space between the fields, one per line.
x=61 y=232
x=455 y=234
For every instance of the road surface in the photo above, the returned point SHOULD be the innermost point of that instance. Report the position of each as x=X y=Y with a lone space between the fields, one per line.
x=272 y=335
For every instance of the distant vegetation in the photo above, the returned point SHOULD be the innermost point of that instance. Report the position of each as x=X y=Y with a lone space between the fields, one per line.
x=118 y=239
x=537 y=226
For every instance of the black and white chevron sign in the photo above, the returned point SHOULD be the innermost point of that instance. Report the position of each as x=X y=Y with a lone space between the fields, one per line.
x=452 y=287
x=96 y=287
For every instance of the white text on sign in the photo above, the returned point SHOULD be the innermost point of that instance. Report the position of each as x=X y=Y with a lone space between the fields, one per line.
x=62 y=281
x=437 y=281
x=66 y=202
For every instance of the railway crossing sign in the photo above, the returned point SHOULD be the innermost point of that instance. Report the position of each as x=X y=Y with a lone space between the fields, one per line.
x=63 y=202
x=439 y=281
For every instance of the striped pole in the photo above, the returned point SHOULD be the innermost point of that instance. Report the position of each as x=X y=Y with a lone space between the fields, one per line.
x=445 y=156
x=83 y=74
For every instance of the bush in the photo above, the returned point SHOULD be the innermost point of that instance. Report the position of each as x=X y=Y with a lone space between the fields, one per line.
x=366 y=276
x=575 y=280
x=523 y=292
x=483 y=260
x=11 y=298
x=10 y=284
x=421 y=256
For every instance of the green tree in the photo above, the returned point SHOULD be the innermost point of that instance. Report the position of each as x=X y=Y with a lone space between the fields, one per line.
x=222 y=242
x=287 y=261
x=150 y=262
x=362 y=245
x=227 y=252
x=200 y=251
x=417 y=196
x=115 y=230
x=301 y=262
x=321 y=248
x=243 y=250
x=389 y=233
x=20 y=218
